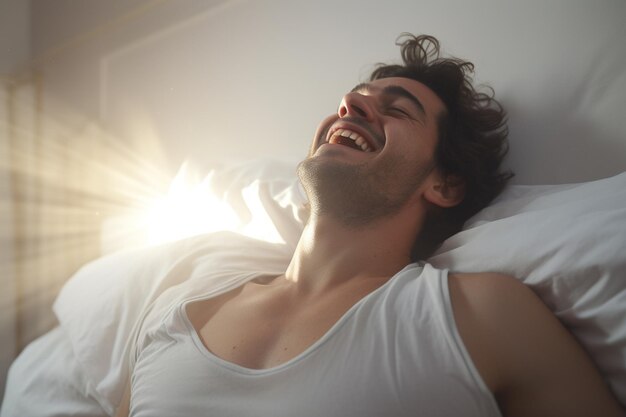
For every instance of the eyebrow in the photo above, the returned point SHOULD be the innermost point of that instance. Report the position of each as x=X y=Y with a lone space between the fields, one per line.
x=396 y=91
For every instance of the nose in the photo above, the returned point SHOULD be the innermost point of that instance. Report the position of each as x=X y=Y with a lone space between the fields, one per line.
x=356 y=105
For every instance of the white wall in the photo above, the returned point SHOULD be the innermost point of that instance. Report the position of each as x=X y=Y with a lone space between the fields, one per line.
x=238 y=79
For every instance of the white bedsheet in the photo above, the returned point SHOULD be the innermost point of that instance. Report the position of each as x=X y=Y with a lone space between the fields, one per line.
x=47 y=381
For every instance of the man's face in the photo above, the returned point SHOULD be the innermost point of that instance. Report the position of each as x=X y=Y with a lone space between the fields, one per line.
x=369 y=158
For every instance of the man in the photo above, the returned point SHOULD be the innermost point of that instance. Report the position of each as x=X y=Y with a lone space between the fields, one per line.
x=353 y=327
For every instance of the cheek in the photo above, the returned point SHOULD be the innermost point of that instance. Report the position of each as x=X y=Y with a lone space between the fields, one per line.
x=412 y=150
x=422 y=141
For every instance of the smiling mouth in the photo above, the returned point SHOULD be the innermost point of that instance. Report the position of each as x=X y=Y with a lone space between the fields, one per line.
x=350 y=139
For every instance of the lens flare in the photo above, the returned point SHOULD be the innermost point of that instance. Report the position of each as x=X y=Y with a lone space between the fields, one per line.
x=71 y=191
x=188 y=209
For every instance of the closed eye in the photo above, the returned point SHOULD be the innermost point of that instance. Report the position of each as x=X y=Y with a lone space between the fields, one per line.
x=399 y=110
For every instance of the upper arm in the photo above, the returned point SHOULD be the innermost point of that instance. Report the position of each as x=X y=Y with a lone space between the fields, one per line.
x=531 y=362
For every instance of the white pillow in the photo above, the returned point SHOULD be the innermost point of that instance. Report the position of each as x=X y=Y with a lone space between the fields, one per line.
x=568 y=243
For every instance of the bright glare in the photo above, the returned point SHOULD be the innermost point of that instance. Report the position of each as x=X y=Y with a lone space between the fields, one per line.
x=188 y=209
x=191 y=208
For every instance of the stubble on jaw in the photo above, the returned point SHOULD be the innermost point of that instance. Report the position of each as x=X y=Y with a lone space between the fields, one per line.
x=358 y=194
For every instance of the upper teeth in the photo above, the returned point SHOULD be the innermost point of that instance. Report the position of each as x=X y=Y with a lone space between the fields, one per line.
x=358 y=139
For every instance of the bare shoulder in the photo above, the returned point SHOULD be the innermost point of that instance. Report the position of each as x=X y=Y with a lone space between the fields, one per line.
x=532 y=364
x=493 y=299
x=481 y=303
x=493 y=305
x=492 y=287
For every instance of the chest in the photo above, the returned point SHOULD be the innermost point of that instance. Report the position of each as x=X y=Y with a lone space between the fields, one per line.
x=388 y=356
x=261 y=328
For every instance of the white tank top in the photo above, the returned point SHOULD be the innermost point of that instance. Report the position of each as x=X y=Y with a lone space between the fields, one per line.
x=396 y=352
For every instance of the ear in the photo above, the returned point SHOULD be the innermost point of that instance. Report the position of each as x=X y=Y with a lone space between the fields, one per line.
x=445 y=191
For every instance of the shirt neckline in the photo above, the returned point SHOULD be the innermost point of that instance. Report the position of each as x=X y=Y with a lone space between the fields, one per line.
x=206 y=353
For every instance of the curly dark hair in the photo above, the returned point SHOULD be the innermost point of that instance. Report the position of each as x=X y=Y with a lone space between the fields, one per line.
x=472 y=135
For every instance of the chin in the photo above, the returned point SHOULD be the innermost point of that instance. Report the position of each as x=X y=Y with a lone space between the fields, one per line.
x=351 y=194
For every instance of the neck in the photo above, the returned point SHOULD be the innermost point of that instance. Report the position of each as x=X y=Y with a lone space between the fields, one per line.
x=331 y=254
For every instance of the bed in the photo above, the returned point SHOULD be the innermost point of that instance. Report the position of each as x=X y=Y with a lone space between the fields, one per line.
x=567 y=241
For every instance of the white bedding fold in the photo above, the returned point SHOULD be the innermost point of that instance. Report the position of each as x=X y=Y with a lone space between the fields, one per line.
x=104 y=305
